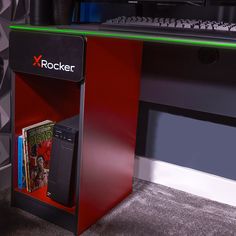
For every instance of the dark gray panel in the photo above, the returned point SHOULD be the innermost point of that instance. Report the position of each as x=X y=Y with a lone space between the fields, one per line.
x=175 y=76
x=189 y=79
x=215 y=99
x=201 y=145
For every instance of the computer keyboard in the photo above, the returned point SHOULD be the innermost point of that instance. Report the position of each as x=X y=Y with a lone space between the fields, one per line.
x=172 y=26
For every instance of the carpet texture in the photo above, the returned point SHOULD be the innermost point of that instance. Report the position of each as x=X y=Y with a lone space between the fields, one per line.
x=151 y=210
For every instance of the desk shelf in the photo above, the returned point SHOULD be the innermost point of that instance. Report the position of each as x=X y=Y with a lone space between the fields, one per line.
x=36 y=99
x=40 y=195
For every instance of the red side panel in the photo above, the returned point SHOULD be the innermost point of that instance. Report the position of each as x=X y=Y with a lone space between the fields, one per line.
x=110 y=117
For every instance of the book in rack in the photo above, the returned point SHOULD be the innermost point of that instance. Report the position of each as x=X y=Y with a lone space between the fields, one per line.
x=21 y=165
x=37 y=143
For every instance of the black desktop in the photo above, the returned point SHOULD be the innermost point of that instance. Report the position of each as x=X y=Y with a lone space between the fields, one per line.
x=61 y=181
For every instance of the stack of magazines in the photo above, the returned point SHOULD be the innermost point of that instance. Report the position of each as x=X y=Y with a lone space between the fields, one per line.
x=34 y=149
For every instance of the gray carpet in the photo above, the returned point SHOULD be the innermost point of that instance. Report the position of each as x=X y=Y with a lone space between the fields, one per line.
x=151 y=210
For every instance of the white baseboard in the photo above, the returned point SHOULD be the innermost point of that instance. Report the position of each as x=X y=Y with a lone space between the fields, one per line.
x=189 y=180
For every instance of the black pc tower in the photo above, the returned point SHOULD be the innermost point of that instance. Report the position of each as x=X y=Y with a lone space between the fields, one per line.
x=61 y=180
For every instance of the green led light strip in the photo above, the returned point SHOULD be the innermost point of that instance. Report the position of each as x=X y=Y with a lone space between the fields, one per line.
x=160 y=39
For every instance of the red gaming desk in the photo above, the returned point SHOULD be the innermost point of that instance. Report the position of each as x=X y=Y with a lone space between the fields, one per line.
x=107 y=101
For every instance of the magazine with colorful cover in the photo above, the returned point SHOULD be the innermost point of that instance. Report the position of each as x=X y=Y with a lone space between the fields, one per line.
x=37 y=143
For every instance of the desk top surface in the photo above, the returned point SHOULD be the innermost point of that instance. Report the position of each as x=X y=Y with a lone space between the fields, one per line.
x=87 y=30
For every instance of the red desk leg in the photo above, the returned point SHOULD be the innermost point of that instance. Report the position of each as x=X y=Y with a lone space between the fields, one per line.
x=111 y=97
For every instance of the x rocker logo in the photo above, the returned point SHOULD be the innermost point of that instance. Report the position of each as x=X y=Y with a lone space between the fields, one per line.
x=42 y=63
x=36 y=61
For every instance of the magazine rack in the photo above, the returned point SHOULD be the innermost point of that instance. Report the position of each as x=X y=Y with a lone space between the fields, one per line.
x=104 y=92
